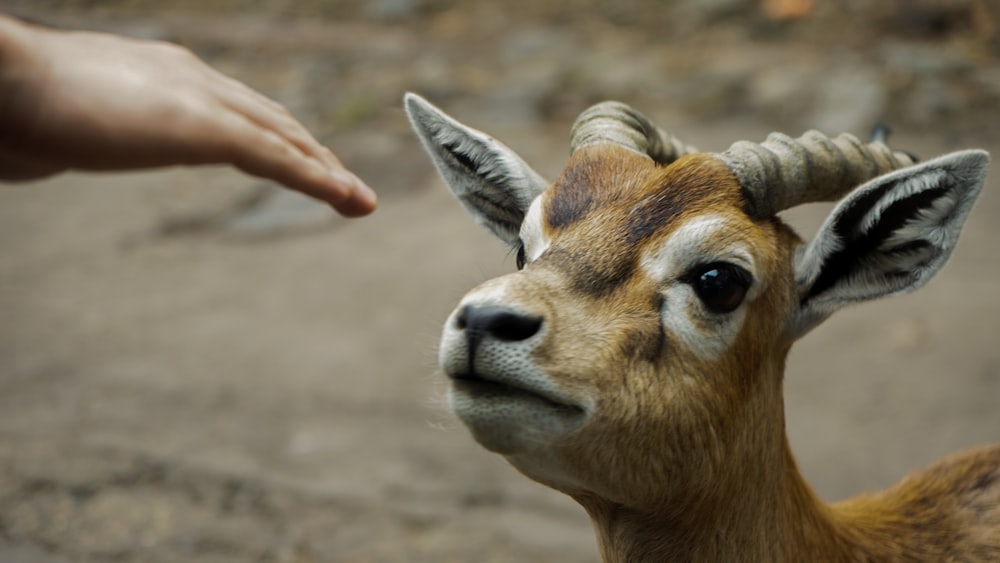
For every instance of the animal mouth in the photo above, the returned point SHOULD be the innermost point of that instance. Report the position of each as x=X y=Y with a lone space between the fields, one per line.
x=479 y=387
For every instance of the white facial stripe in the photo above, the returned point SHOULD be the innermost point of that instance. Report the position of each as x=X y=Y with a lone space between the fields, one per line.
x=701 y=240
x=532 y=233
x=684 y=318
x=696 y=242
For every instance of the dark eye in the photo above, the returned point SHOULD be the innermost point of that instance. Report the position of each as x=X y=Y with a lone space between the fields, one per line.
x=720 y=286
x=520 y=260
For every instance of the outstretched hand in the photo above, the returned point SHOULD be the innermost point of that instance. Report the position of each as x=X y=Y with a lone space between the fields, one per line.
x=93 y=101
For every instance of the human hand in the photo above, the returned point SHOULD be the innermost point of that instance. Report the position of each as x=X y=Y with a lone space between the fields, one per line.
x=94 y=101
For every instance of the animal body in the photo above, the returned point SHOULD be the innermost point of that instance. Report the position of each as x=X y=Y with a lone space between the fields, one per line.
x=635 y=360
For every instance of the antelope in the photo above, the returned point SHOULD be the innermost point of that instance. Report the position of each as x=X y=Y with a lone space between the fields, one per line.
x=635 y=360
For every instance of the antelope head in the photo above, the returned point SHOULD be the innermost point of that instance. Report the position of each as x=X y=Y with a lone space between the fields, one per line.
x=637 y=354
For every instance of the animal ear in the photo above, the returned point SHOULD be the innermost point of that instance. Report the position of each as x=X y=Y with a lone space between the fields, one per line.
x=493 y=184
x=888 y=237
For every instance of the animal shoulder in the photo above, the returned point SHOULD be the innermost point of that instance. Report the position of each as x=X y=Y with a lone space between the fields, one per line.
x=950 y=511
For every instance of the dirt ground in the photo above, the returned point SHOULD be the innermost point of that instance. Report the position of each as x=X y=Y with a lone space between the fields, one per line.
x=198 y=366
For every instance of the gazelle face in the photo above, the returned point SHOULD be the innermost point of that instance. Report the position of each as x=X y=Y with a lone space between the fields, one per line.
x=638 y=353
x=644 y=290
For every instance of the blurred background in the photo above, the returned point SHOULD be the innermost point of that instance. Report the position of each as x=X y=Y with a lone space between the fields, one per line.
x=197 y=366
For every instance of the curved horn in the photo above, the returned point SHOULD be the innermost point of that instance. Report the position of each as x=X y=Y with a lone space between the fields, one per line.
x=617 y=123
x=782 y=172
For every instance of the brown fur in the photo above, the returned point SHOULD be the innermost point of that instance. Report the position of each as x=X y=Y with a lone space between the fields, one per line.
x=685 y=458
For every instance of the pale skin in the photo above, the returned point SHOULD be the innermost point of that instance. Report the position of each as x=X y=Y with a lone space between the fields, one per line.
x=77 y=100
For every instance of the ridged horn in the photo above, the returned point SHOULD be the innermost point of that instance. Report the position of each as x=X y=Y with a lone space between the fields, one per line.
x=619 y=124
x=782 y=172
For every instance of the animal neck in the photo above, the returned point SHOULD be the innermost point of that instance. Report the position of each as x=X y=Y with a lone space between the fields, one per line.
x=767 y=514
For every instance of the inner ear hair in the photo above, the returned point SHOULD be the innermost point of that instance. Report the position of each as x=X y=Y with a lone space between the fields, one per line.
x=890 y=236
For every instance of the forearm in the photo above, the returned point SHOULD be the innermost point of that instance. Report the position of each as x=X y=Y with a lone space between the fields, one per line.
x=15 y=39
x=18 y=69
x=10 y=29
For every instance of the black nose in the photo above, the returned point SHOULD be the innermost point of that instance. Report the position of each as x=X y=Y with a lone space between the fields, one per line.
x=498 y=322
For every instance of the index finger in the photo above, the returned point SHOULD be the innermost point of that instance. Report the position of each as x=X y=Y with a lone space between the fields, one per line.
x=263 y=153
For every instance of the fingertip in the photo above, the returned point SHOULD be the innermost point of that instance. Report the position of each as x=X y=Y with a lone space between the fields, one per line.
x=356 y=206
x=361 y=200
x=353 y=209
